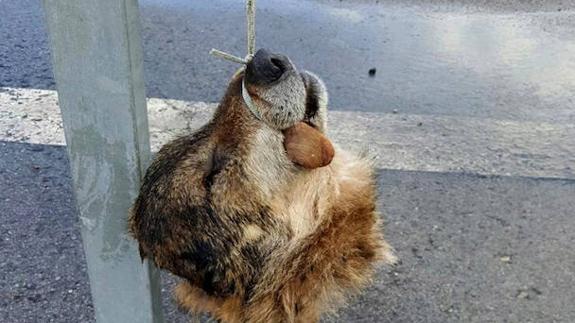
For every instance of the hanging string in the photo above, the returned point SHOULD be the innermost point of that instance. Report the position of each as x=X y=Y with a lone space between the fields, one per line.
x=251 y=37
x=251 y=28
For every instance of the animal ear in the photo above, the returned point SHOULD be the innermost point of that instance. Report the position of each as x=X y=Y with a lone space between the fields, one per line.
x=307 y=146
x=316 y=100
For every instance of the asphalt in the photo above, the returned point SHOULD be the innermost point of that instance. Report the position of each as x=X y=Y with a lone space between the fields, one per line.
x=474 y=247
x=490 y=59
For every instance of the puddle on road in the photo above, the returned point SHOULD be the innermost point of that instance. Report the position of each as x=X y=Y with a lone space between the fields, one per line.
x=506 y=66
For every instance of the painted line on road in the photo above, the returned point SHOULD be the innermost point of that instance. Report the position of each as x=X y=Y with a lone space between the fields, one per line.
x=401 y=142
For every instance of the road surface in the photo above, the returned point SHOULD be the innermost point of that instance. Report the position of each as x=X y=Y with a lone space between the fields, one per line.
x=470 y=111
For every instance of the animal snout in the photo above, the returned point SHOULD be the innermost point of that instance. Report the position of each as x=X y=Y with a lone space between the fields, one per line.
x=266 y=68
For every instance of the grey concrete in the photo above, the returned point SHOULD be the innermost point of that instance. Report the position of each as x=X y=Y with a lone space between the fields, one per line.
x=507 y=60
x=98 y=65
x=472 y=248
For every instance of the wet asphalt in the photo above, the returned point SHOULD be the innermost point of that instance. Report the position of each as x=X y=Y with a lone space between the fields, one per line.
x=472 y=248
x=511 y=61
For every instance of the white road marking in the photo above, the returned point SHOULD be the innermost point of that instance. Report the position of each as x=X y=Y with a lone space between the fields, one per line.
x=401 y=142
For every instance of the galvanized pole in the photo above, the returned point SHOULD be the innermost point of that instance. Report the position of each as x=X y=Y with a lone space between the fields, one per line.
x=97 y=59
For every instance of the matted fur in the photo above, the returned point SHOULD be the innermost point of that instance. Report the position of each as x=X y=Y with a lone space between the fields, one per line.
x=255 y=237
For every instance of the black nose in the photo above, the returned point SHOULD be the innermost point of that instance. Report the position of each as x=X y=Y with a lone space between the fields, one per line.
x=266 y=68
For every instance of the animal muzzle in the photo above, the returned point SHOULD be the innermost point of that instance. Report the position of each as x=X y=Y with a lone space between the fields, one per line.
x=266 y=68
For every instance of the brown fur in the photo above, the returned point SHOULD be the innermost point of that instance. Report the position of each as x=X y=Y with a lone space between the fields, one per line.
x=255 y=237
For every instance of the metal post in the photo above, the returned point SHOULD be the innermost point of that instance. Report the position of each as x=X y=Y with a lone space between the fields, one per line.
x=97 y=59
